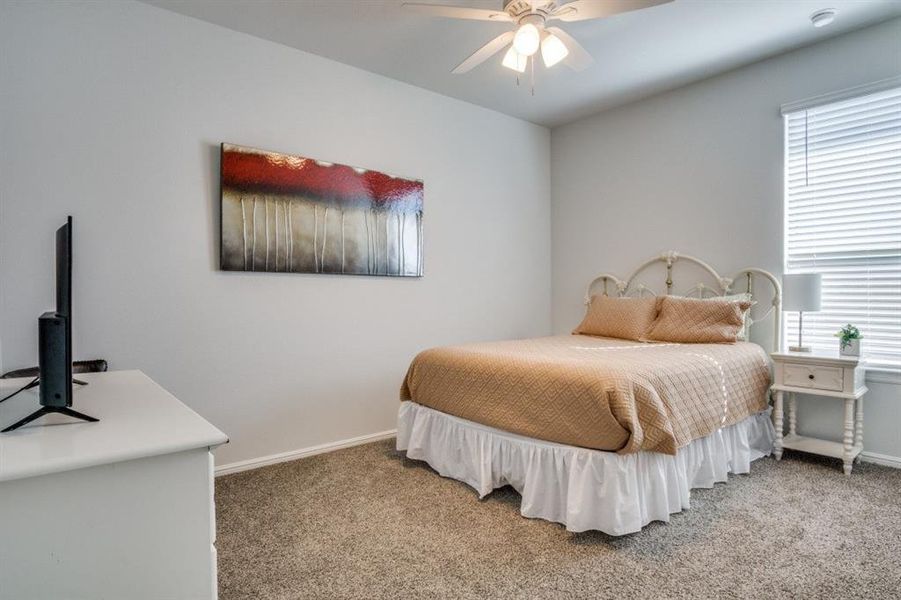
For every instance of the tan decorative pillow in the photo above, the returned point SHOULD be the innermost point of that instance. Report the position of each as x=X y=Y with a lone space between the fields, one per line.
x=626 y=318
x=697 y=321
x=745 y=334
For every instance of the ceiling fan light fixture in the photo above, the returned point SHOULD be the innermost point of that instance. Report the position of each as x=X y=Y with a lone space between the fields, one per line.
x=515 y=61
x=527 y=39
x=553 y=50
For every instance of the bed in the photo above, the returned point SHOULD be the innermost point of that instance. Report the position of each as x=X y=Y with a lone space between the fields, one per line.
x=598 y=433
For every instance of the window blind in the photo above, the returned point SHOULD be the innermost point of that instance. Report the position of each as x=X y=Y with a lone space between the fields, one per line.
x=843 y=219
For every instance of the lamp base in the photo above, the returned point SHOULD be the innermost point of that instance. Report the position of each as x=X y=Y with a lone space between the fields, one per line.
x=799 y=349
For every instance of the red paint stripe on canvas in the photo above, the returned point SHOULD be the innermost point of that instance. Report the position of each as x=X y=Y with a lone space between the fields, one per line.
x=262 y=172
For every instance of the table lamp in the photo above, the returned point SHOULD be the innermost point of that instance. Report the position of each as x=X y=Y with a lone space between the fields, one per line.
x=801 y=292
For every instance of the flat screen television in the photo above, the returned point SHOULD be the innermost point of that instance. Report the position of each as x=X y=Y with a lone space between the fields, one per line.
x=55 y=340
x=55 y=330
x=64 y=286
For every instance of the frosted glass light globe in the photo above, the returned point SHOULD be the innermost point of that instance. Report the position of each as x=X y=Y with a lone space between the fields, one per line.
x=553 y=50
x=515 y=61
x=526 y=40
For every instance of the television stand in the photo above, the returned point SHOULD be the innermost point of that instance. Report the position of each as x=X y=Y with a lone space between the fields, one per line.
x=37 y=382
x=46 y=410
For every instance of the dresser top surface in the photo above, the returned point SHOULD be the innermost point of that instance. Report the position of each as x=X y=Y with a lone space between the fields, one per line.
x=138 y=419
x=833 y=358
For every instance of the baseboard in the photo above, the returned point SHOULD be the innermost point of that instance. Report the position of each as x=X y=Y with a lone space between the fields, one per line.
x=881 y=459
x=255 y=463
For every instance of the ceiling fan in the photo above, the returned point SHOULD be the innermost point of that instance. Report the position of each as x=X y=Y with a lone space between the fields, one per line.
x=531 y=32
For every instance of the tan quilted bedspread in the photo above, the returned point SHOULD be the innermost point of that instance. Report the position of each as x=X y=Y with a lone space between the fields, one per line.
x=594 y=392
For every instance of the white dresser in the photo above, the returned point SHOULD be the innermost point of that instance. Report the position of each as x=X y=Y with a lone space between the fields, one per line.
x=122 y=508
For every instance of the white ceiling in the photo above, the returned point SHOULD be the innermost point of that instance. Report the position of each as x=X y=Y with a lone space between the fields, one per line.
x=637 y=54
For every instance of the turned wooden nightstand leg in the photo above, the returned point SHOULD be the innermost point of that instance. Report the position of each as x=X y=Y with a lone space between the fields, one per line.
x=777 y=424
x=792 y=413
x=858 y=429
x=849 y=435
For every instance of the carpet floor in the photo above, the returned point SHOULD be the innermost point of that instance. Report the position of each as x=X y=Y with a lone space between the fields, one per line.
x=365 y=522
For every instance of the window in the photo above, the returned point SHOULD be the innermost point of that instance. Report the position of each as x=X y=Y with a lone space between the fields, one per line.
x=843 y=216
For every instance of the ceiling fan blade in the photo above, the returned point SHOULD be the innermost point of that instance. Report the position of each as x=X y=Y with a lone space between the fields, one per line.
x=484 y=53
x=458 y=12
x=578 y=58
x=582 y=10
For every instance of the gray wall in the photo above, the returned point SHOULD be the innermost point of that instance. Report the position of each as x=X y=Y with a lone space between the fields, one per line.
x=699 y=170
x=114 y=111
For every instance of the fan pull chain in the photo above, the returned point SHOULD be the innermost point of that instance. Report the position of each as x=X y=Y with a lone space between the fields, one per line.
x=532 y=63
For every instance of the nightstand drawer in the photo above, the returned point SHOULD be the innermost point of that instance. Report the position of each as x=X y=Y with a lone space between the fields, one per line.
x=813 y=377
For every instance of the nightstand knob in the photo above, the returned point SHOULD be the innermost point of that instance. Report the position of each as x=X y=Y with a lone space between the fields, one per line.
x=810 y=376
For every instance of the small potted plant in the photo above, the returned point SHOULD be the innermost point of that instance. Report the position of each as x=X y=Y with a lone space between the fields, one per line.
x=850 y=337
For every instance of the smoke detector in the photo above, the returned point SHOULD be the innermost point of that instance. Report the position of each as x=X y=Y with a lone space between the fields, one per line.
x=824 y=17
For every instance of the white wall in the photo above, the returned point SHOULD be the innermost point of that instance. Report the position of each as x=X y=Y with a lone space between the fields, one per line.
x=699 y=170
x=114 y=111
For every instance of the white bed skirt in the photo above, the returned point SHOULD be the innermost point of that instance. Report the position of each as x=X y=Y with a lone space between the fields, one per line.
x=580 y=488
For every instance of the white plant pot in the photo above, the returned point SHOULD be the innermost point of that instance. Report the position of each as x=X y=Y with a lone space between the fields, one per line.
x=852 y=348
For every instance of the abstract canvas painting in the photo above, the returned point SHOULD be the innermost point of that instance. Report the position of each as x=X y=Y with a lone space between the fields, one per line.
x=284 y=213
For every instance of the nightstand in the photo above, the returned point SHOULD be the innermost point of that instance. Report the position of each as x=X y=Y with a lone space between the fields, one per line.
x=825 y=376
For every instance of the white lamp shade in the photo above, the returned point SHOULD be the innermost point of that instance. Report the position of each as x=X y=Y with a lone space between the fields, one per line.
x=801 y=292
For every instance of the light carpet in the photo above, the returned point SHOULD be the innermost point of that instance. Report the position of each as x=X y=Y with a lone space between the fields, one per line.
x=365 y=522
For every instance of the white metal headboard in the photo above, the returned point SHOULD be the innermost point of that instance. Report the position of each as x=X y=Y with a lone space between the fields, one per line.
x=722 y=286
